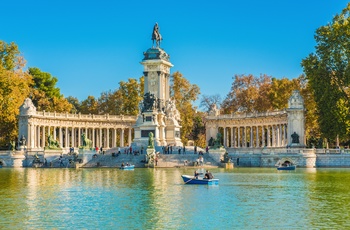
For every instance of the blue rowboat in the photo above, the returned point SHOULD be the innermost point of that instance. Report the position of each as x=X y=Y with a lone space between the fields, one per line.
x=127 y=167
x=285 y=164
x=290 y=167
x=191 y=180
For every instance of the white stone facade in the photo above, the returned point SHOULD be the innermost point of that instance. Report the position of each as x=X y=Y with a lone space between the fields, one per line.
x=258 y=130
x=67 y=128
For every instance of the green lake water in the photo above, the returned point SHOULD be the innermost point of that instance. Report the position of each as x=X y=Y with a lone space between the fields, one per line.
x=246 y=198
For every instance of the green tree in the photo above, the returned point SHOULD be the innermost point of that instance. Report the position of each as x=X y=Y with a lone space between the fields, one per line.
x=75 y=104
x=45 y=95
x=9 y=55
x=184 y=94
x=328 y=73
x=89 y=105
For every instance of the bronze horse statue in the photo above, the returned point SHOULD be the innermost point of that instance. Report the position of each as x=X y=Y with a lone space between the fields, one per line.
x=156 y=36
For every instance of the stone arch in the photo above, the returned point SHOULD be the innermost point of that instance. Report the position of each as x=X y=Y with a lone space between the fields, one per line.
x=2 y=162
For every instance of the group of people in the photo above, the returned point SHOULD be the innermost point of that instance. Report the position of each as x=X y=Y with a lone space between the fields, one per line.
x=127 y=164
x=208 y=175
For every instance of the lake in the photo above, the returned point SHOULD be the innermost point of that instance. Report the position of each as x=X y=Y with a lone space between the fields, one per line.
x=109 y=198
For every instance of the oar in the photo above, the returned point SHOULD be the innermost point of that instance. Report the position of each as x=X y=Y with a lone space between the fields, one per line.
x=189 y=180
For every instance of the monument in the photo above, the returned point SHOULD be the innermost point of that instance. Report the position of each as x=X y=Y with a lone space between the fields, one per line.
x=157 y=111
x=296 y=121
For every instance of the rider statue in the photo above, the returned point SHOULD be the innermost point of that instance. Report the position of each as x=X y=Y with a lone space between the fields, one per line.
x=156 y=35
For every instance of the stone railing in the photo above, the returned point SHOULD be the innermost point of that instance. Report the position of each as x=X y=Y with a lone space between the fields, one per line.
x=84 y=116
x=248 y=115
x=332 y=151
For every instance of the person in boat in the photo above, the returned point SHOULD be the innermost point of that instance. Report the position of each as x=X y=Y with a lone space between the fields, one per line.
x=208 y=175
x=196 y=174
x=127 y=164
x=123 y=165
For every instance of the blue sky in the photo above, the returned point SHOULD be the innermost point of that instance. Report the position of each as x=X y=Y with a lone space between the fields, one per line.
x=90 y=46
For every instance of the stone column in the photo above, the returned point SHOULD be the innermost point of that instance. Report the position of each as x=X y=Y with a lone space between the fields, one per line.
x=122 y=137
x=60 y=135
x=238 y=137
x=38 y=136
x=245 y=136
x=43 y=141
x=263 y=143
x=232 y=144
x=107 y=137
x=66 y=137
x=129 y=136
x=79 y=136
x=114 y=137
x=100 y=139
x=251 y=137
x=268 y=137
x=73 y=137
x=225 y=137
x=257 y=145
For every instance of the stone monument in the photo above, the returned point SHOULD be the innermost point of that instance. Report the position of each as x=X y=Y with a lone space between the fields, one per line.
x=157 y=111
x=296 y=121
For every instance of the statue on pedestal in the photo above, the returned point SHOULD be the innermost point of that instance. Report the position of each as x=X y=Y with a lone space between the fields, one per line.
x=295 y=138
x=150 y=141
x=22 y=141
x=156 y=35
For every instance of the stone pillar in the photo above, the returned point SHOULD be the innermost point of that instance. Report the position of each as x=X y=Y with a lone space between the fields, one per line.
x=32 y=135
x=225 y=137
x=263 y=141
x=60 y=135
x=268 y=137
x=43 y=141
x=79 y=137
x=129 y=136
x=73 y=137
x=232 y=144
x=238 y=137
x=251 y=137
x=66 y=141
x=257 y=145
x=122 y=137
x=100 y=138
x=107 y=137
x=245 y=136
x=38 y=136
x=296 y=119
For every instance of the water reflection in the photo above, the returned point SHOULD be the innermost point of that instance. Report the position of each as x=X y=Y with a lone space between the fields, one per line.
x=158 y=199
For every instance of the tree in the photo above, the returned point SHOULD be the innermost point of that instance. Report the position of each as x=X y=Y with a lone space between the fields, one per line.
x=280 y=92
x=89 y=106
x=9 y=56
x=184 y=94
x=248 y=94
x=45 y=95
x=75 y=104
x=14 y=88
x=208 y=101
x=328 y=73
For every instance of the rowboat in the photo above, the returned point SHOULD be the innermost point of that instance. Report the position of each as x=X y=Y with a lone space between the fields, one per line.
x=191 y=180
x=287 y=167
x=127 y=167
x=285 y=164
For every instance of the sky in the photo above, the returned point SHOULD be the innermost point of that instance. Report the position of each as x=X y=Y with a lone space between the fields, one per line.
x=90 y=46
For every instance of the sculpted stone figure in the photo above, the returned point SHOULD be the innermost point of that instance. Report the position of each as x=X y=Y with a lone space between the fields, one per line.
x=52 y=142
x=150 y=140
x=295 y=138
x=87 y=143
x=22 y=141
x=156 y=35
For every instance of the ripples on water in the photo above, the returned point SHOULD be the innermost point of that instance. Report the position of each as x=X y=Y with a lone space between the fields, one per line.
x=246 y=198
